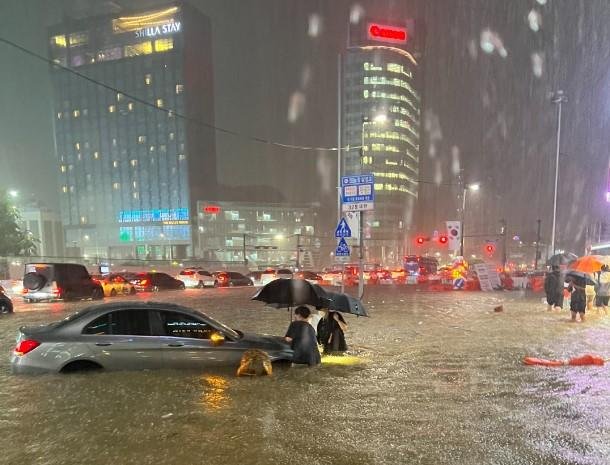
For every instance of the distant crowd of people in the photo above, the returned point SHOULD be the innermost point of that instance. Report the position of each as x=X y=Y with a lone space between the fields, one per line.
x=312 y=332
x=582 y=293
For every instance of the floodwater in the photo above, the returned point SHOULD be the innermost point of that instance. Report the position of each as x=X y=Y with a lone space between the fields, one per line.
x=440 y=381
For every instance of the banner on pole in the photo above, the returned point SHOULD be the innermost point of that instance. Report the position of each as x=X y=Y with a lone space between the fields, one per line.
x=454 y=234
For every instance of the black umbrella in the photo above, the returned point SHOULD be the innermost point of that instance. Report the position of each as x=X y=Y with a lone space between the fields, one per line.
x=561 y=259
x=345 y=303
x=291 y=293
x=579 y=278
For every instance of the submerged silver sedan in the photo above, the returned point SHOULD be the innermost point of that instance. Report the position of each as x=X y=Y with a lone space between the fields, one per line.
x=137 y=336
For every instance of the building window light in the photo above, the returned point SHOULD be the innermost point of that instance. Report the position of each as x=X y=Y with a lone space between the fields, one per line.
x=77 y=145
x=179 y=88
x=96 y=155
x=141 y=139
x=64 y=189
x=172 y=136
x=76 y=113
x=159 y=102
x=136 y=195
x=72 y=189
x=152 y=148
x=59 y=41
x=59 y=115
x=114 y=143
x=115 y=164
x=79 y=156
x=134 y=163
x=130 y=106
x=63 y=168
x=143 y=48
x=116 y=186
x=119 y=97
x=111 y=109
x=182 y=157
x=170 y=114
x=148 y=79
x=134 y=184
x=163 y=45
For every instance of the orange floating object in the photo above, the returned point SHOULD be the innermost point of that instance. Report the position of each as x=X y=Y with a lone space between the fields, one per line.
x=587 y=359
x=543 y=362
x=583 y=360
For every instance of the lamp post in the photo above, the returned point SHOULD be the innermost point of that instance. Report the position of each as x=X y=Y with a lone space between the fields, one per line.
x=558 y=98
x=467 y=187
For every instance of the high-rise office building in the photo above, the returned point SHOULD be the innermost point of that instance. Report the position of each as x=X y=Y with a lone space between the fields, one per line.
x=381 y=113
x=133 y=139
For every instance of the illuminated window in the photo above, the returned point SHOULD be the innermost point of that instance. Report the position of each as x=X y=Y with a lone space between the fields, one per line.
x=134 y=163
x=78 y=38
x=59 y=115
x=70 y=167
x=116 y=186
x=163 y=45
x=179 y=88
x=170 y=114
x=119 y=97
x=114 y=143
x=134 y=184
x=365 y=93
x=72 y=189
x=64 y=189
x=130 y=106
x=136 y=195
x=163 y=148
x=63 y=168
x=159 y=102
x=96 y=155
x=148 y=79
x=152 y=148
x=143 y=48
x=79 y=156
x=115 y=164
x=171 y=136
x=108 y=54
x=111 y=109
x=141 y=139
x=77 y=145
x=59 y=41
x=182 y=157
x=76 y=113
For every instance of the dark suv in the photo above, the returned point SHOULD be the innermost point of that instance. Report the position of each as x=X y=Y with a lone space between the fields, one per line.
x=55 y=281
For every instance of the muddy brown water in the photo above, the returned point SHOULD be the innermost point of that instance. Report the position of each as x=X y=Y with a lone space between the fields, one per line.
x=439 y=381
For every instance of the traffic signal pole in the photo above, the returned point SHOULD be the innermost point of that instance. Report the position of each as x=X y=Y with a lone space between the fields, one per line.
x=360 y=257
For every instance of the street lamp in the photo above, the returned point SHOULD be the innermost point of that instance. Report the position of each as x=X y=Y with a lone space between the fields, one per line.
x=558 y=98
x=467 y=187
x=13 y=193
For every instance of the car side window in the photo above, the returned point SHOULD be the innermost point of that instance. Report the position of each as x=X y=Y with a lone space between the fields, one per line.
x=99 y=326
x=180 y=325
x=130 y=323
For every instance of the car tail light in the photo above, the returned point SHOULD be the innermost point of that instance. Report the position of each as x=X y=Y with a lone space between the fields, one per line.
x=25 y=346
x=144 y=282
x=56 y=291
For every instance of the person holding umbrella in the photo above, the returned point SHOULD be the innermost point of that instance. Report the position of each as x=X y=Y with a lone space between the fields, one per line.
x=553 y=288
x=331 y=332
x=302 y=339
x=578 y=299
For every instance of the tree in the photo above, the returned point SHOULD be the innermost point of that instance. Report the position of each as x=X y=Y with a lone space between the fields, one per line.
x=13 y=241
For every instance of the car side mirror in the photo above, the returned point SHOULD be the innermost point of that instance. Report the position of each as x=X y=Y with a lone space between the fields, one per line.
x=217 y=339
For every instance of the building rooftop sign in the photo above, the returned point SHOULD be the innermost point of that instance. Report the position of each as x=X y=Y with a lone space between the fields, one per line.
x=389 y=34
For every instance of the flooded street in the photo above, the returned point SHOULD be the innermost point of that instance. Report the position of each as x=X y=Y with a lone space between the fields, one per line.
x=440 y=381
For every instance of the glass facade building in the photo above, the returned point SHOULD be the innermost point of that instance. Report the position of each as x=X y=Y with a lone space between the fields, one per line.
x=381 y=114
x=132 y=131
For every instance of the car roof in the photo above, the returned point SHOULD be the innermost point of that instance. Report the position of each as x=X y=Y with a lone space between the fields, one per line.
x=135 y=305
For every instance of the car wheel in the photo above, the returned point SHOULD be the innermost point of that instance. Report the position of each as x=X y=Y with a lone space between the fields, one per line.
x=67 y=296
x=181 y=286
x=34 y=281
x=200 y=285
x=98 y=294
x=113 y=293
x=215 y=283
x=6 y=307
x=132 y=291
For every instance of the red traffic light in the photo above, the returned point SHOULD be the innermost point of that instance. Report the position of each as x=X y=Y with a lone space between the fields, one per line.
x=443 y=239
x=490 y=248
x=420 y=240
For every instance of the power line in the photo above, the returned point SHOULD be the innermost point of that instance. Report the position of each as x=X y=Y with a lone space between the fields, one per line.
x=170 y=111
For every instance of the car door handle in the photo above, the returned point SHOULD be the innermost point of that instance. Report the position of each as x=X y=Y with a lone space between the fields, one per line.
x=103 y=343
x=175 y=344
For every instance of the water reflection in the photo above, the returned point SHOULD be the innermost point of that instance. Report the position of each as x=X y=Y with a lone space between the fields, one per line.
x=215 y=396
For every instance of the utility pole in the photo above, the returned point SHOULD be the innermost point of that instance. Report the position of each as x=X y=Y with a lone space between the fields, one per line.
x=298 y=264
x=537 y=245
x=243 y=250
x=503 y=232
x=558 y=97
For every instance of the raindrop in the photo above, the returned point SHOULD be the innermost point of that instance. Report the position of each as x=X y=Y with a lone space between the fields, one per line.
x=535 y=20
x=305 y=76
x=296 y=106
x=356 y=13
x=315 y=25
x=455 y=160
x=472 y=49
x=537 y=64
x=491 y=41
x=325 y=168
x=438 y=173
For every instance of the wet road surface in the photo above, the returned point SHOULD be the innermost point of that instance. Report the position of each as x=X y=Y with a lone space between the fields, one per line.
x=439 y=381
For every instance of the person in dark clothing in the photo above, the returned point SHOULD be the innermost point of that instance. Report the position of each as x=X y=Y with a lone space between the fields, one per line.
x=331 y=332
x=578 y=299
x=553 y=288
x=302 y=338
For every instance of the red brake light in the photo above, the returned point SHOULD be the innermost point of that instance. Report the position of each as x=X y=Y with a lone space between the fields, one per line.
x=25 y=346
x=144 y=282
x=57 y=291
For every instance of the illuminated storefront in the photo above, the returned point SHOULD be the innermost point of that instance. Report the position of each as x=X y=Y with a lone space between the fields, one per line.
x=131 y=159
x=381 y=113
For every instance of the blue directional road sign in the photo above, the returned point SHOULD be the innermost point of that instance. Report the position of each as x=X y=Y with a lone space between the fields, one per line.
x=358 y=192
x=343 y=229
x=342 y=249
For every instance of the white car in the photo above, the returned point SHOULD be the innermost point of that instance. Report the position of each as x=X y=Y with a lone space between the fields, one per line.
x=196 y=278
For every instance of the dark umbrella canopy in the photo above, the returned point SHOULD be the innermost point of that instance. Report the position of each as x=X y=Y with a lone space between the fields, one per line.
x=561 y=259
x=579 y=278
x=291 y=293
x=345 y=303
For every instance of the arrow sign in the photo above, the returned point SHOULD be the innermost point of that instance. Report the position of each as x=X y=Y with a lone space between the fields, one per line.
x=342 y=249
x=343 y=229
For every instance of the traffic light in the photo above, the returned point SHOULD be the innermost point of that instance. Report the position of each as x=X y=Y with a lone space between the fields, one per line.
x=490 y=249
x=420 y=240
x=443 y=239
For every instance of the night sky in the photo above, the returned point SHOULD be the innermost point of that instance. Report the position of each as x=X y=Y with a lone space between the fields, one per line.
x=490 y=66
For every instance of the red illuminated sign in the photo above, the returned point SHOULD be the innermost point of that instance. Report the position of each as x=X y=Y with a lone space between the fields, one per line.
x=212 y=209
x=382 y=33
